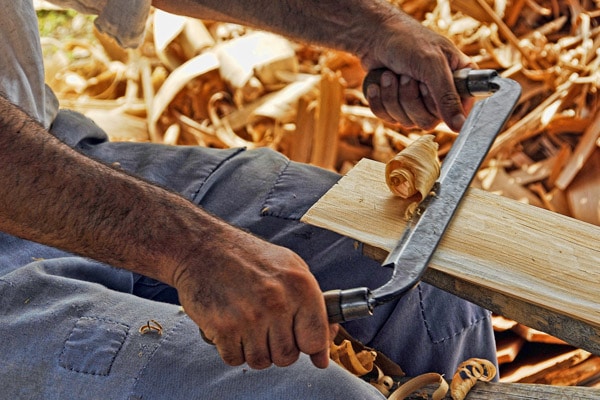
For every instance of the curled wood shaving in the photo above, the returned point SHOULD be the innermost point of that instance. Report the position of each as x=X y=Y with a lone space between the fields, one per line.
x=150 y=327
x=412 y=173
x=419 y=382
x=383 y=383
x=358 y=364
x=468 y=373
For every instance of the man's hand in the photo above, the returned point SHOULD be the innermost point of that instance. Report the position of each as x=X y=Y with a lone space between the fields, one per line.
x=257 y=302
x=418 y=90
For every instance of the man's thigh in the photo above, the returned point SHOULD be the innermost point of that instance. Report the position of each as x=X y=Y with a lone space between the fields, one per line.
x=66 y=337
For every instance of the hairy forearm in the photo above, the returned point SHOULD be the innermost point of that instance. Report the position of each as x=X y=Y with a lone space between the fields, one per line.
x=332 y=23
x=51 y=194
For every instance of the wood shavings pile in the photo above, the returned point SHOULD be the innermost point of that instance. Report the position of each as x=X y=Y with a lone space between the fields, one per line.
x=221 y=85
x=362 y=363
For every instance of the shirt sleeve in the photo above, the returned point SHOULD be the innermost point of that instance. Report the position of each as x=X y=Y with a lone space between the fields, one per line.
x=124 y=20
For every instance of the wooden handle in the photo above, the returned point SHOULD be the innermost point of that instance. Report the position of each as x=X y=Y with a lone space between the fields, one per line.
x=461 y=80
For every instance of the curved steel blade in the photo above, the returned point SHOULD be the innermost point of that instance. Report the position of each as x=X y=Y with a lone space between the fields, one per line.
x=413 y=252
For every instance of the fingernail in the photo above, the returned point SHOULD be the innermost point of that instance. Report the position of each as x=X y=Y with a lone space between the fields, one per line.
x=404 y=79
x=457 y=122
x=372 y=91
x=386 y=80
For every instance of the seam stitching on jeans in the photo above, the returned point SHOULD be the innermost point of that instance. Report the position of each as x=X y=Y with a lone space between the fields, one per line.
x=265 y=212
x=163 y=339
x=223 y=161
x=427 y=326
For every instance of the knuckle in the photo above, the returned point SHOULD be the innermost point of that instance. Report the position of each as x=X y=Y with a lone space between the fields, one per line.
x=313 y=337
x=450 y=99
x=230 y=358
x=258 y=360
x=285 y=360
x=428 y=123
x=285 y=354
x=274 y=298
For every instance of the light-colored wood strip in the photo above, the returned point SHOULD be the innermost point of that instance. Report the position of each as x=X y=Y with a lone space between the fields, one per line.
x=324 y=149
x=537 y=267
x=583 y=151
x=526 y=127
x=532 y=369
x=507 y=348
x=575 y=375
x=583 y=194
x=301 y=141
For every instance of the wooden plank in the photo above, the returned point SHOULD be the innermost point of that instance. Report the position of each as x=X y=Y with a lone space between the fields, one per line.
x=537 y=364
x=502 y=324
x=508 y=347
x=585 y=148
x=516 y=391
x=534 y=266
x=300 y=142
x=533 y=335
x=576 y=375
x=583 y=194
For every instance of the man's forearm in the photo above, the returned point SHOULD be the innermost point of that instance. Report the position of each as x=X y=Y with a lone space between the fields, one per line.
x=418 y=90
x=332 y=23
x=51 y=194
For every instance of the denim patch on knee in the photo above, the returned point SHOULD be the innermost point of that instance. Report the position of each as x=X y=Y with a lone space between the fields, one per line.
x=92 y=346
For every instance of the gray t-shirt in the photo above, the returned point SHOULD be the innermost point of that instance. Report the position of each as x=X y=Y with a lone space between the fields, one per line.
x=21 y=64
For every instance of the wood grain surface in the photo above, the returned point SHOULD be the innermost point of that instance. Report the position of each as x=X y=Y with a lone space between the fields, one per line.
x=537 y=267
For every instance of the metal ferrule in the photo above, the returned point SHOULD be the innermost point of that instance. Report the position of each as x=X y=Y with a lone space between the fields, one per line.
x=350 y=304
x=477 y=82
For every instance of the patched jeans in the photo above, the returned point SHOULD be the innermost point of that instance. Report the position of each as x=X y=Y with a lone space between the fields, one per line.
x=74 y=328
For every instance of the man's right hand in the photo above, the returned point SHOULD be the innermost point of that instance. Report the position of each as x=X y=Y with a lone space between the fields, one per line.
x=257 y=302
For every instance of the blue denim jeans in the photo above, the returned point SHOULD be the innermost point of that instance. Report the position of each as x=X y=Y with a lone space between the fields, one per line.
x=71 y=326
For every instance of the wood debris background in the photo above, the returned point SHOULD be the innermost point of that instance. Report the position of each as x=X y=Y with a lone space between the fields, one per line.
x=196 y=82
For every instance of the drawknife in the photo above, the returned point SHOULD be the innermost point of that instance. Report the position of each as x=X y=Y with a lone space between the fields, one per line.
x=411 y=255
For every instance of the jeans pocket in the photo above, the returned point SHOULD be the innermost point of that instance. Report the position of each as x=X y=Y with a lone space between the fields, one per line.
x=93 y=345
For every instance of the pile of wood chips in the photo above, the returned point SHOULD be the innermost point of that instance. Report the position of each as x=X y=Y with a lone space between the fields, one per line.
x=223 y=85
x=526 y=355
x=212 y=84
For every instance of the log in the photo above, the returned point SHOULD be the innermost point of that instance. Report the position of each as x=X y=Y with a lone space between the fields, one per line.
x=532 y=265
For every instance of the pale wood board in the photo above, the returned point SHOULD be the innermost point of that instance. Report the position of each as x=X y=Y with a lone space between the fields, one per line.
x=537 y=267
